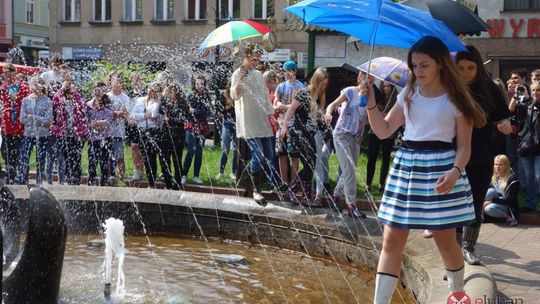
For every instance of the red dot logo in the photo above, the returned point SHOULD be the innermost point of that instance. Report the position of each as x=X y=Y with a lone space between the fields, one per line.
x=458 y=297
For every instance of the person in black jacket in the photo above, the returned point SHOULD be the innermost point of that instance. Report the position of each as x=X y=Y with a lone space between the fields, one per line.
x=479 y=169
x=502 y=197
x=174 y=109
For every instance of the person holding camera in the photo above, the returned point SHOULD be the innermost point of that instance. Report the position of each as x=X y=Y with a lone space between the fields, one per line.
x=528 y=148
x=252 y=109
x=519 y=94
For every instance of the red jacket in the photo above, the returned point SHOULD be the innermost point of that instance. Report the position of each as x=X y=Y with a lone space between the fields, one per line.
x=9 y=128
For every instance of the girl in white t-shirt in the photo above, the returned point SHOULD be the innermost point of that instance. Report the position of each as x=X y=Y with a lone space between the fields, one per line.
x=427 y=187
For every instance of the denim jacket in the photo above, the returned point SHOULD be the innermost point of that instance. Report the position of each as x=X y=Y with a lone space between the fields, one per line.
x=36 y=115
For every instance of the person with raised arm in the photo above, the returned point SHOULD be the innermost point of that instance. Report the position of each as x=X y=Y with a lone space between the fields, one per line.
x=427 y=187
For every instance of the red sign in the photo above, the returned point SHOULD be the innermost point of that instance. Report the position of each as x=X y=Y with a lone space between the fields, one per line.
x=458 y=297
x=499 y=26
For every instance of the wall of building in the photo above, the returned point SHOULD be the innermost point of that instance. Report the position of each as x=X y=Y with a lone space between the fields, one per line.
x=31 y=37
x=6 y=28
x=142 y=41
x=513 y=41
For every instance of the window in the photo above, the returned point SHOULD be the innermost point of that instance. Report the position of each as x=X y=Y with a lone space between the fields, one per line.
x=30 y=11
x=2 y=13
x=132 y=10
x=102 y=10
x=263 y=9
x=513 y=5
x=195 y=9
x=72 y=10
x=164 y=10
x=229 y=9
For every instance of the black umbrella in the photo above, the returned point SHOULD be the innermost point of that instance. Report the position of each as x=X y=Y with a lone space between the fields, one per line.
x=459 y=18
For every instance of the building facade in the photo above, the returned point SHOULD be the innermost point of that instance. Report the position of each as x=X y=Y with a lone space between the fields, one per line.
x=6 y=28
x=166 y=31
x=514 y=40
x=30 y=29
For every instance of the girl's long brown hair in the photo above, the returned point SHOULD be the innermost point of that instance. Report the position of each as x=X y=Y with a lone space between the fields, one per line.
x=456 y=88
x=315 y=83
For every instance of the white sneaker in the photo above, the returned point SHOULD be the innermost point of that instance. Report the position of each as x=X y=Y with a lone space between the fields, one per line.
x=197 y=180
x=183 y=181
x=257 y=196
x=219 y=176
x=232 y=176
x=136 y=176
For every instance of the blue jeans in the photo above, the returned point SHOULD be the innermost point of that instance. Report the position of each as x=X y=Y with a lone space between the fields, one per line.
x=228 y=140
x=55 y=155
x=531 y=175
x=497 y=210
x=261 y=152
x=26 y=149
x=194 y=146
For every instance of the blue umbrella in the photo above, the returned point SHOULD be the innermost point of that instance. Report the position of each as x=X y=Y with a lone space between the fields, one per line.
x=375 y=22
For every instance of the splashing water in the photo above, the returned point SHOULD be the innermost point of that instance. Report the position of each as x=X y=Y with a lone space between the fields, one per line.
x=114 y=245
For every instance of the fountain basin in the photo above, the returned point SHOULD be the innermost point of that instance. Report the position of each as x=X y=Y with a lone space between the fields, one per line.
x=320 y=233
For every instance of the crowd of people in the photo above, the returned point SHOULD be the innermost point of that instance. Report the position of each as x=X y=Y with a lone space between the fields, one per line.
x=469 y=142
x=269 y=118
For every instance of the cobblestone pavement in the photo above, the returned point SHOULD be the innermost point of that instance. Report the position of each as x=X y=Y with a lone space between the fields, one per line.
x=512 y=254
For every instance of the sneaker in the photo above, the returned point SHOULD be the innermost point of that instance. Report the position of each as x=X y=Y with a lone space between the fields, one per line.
x=427 y=234
x=136 y=176
x=283 y=188
x=311 y=203
x=511 y=221
x=197 y=180
x=470 y=257
x=354 y=212
x=219 y=175
x=183 y=181
x=232 y=176
x=257 y=196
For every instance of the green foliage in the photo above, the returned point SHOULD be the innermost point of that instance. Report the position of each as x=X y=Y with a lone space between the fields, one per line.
x=102 y=69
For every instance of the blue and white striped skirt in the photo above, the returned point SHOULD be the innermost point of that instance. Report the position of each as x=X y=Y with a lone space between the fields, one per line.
x=409 y=199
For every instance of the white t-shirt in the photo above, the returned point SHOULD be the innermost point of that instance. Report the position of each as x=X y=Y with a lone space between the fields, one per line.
x=50 y=76
x=118 y=127
x=429 y=119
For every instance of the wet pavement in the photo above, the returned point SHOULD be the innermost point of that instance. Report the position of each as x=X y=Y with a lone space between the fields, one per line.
x=512 y=254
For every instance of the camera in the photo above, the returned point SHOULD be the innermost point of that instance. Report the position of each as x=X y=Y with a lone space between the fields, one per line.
x=520 y=90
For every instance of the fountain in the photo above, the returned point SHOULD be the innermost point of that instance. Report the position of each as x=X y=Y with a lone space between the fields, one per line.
x=319 y=237
x=114 y=247
x=35 y=275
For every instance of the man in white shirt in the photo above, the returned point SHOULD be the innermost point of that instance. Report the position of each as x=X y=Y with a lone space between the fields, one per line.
x=120 y=104
x=54 y=74
x=253 y=111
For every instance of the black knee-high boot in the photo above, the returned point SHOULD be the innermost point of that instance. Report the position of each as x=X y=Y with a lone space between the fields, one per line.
x=470 y=237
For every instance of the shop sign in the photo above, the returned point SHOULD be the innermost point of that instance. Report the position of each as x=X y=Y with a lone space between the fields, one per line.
x=302 y=60
x=517 y=27
x=277 y=55
x=29 y=41
x=82 y=53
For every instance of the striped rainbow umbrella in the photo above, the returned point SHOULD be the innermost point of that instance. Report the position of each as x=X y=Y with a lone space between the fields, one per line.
x=234 y=31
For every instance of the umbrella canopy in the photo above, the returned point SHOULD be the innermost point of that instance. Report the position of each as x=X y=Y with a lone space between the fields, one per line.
x=388 y=69
x=234 y=31
x=459 y=18
x=375 y=22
